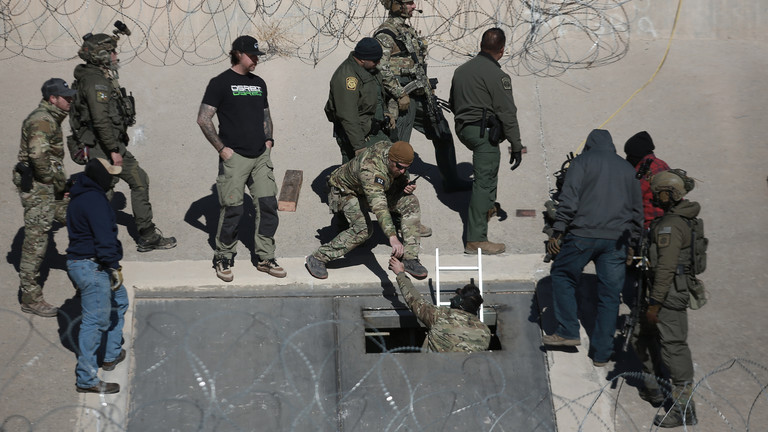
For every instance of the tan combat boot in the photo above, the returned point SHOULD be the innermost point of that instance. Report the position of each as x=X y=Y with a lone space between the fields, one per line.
x=488 y=248
x=41 y=308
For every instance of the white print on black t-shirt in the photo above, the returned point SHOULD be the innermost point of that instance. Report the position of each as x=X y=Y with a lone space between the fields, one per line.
x=246 y=90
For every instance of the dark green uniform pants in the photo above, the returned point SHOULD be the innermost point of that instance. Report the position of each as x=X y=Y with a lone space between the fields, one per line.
x=258 y=174
x=671 y=337
x=138 y=182
x=445 y=153
x=485 y=161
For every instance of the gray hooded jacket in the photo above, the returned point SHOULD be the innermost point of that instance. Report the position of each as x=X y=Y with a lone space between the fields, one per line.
x=601 y=198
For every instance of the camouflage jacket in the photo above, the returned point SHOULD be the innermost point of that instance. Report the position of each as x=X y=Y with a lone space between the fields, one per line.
x=450 y=330
x=397 y=63
x=100 y=113
x=367 y=176
x=42 y=145
x=671 y=248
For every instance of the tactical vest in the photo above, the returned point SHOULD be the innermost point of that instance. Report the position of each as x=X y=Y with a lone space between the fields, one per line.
x=122 y=111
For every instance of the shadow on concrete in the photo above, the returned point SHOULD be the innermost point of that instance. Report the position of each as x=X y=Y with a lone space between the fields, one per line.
x=69 y=317
x=203 y=214
x=119 y=203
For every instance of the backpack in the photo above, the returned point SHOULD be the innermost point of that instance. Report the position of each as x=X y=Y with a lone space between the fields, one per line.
x=699 y=245
x=82 y=137
x=696 y=289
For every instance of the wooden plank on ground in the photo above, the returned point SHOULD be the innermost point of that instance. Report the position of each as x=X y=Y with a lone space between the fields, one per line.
x=289 y=192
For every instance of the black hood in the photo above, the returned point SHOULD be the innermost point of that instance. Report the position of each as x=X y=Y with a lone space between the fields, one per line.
x=599 y=140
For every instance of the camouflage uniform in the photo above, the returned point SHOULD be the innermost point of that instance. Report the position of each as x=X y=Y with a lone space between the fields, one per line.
x=398 y=68
x=450 y=330
x=363 y=183
x=42 y=148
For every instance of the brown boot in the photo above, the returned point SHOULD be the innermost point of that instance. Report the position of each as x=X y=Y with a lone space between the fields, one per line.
x=41 y=308
x=488 y=248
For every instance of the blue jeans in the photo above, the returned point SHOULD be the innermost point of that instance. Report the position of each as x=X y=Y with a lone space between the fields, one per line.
x=609 y=257
x=103 y=312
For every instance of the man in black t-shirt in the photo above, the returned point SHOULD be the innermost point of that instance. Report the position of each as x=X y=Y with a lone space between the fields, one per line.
x=244 y=143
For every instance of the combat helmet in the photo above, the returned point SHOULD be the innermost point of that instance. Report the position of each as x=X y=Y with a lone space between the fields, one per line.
x=675 y=181
x=97 y=49
x=395 y=7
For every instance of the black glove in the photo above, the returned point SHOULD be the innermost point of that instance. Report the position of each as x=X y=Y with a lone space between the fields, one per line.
x=515 y=159
x=554 y=242
x=115 y=278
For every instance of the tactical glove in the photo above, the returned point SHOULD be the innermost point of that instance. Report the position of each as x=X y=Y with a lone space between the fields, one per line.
x=553 y=245
x=404 y=102
x=515 y=159
x=652 y=314
x=115 y=278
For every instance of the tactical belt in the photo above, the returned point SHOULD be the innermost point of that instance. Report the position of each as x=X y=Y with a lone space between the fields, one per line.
x=682 y=269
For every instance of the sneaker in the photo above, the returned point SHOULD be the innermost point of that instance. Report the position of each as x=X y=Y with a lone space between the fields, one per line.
x=596 y=363
x=488 y=248
x=272 y=267
x=555 y=340
x=414 y=268
x=315 y=267
x=674 y=417
x=155 y=241
x=108 y=366
x=102 y=387
x=41 y=308
x=653 y=396
x=223 y=269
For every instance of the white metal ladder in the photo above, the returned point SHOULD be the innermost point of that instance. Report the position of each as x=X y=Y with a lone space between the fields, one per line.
x=478 y=268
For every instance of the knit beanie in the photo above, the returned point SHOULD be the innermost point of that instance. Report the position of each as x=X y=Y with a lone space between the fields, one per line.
x=401 y=152
x=639 y=145
x=368 y=49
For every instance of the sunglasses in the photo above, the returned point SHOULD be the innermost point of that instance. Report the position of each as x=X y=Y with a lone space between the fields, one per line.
x=401 y=167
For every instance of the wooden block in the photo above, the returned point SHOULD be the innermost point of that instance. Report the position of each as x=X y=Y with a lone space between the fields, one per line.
x=525 y=213
x=289 y=192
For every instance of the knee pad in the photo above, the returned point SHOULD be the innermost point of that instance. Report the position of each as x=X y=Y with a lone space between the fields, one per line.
x=269 y=220
x=229 y=225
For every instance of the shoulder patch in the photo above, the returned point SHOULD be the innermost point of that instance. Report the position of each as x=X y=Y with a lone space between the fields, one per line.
x=102 y=96
x=351 y=83
x=101 y=87
x=379 y=180
x=506 y=82
x=665 y=230
x=664 y=239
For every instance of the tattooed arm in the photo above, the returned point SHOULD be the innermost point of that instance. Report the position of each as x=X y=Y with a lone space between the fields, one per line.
x=268 y=128
x=205 y=121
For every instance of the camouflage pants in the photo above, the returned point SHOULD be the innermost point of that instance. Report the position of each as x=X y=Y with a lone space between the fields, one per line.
x=40 y=210
x=361 y=227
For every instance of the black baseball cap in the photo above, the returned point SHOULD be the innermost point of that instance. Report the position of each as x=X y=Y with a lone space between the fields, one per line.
x=247 y=45
x=57 y=87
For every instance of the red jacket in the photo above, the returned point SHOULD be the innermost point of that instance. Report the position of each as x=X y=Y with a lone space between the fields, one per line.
x=650 y=211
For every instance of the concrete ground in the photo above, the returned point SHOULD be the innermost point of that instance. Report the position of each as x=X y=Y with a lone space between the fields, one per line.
x=705 y=109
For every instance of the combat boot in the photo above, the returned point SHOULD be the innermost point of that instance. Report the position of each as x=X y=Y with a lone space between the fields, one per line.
x=414 y=268
x=316 y=268
x=41 y=308
x=675 y=418
x=424 y=231
x=653 y=396
x=488 y=248
x=155 y=240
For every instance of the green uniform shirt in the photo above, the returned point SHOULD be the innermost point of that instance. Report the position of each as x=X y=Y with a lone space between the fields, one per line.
x=367 y=176
x=670 y=247
x=481 y=83
x=356 y=98
x=450 y=330
x=42 y=145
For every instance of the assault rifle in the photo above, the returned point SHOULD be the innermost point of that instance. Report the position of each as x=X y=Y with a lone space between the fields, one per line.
x=435 y=105
x=643 y=279
x=551 y=205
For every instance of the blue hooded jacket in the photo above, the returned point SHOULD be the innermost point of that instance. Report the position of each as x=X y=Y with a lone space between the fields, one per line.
x=92 y=225
x=601 y=198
